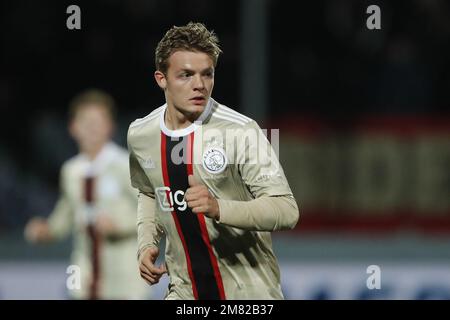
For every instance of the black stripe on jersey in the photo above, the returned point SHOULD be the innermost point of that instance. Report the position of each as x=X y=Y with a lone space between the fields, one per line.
x=202 y=268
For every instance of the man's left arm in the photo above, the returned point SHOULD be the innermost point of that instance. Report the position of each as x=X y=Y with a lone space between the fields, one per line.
x=267 y=213
x=273 y=207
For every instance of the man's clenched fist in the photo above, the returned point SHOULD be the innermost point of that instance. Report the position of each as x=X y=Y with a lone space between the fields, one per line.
x=200 y=200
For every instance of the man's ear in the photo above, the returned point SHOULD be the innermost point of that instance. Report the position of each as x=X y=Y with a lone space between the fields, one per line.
x=160 y=78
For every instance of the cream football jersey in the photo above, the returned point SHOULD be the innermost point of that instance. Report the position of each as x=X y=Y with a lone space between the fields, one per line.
x=226 y=151
x=107 y=265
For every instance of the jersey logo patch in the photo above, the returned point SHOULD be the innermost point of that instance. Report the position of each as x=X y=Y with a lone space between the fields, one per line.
x=214 y=160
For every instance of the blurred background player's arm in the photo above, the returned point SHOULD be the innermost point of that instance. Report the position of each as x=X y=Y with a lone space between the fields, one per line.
x=274 y=206
x=148 y=228
x=58 y=225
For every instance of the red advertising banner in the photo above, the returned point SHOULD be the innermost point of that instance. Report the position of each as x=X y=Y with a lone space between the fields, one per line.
x=369 y=173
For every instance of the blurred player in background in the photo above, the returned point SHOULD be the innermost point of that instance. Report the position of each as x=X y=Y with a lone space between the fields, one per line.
x=96 y=204
x=216 y=201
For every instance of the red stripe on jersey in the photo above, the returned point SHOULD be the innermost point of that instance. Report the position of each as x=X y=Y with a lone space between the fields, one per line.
x=174 y=215
x=217 y=275
x=94 y=236
x=95 y=256
x=190 y=158
x=201 y=220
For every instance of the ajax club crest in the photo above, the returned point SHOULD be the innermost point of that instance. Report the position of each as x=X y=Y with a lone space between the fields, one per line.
x=214 y=160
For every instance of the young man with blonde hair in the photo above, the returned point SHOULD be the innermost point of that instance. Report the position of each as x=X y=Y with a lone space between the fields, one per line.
x=215 y=199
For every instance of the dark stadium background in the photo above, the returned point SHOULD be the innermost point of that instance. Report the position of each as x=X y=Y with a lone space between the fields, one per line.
x=363 y=116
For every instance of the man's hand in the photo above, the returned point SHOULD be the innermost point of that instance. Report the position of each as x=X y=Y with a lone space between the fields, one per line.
x=149 y=272
x=200 y=200
x=37 y=230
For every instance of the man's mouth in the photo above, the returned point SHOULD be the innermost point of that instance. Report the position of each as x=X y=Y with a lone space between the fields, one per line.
x=198 y=100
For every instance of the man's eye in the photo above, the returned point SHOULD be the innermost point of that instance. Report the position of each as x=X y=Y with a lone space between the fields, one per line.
x=185 y=75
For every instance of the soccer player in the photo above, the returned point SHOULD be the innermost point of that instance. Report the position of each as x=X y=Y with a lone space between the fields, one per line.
x=203 y=184
x=97 y=204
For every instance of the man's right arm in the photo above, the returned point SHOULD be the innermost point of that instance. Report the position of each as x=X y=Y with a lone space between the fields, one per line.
x=273 y=207
x=148 y=229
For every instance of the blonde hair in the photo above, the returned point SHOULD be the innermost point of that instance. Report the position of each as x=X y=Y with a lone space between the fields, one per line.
x=191 y=37
x=89 y=97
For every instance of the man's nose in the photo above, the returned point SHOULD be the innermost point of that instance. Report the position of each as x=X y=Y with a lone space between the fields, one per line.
x=198 y=82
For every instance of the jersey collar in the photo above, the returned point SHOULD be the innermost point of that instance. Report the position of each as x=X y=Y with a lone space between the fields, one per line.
x=185 y=131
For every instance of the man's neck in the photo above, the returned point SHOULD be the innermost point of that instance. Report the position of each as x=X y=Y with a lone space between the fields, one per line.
x=92 y=153
x=175 y=120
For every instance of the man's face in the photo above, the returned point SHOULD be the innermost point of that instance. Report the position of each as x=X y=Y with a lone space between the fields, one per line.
x=91 y=127
x=188 y=82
